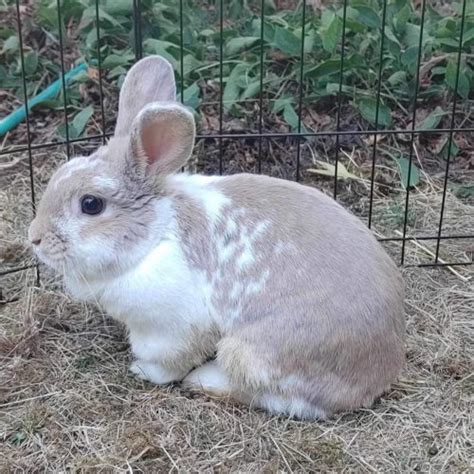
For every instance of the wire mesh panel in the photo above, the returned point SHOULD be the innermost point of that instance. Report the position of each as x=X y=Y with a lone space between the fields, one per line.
x=368 y=100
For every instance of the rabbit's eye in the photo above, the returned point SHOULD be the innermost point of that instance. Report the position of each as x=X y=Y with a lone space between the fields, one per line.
x=92 y=205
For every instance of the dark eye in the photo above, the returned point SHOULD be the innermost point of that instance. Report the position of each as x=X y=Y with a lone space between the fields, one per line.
x=92 y=205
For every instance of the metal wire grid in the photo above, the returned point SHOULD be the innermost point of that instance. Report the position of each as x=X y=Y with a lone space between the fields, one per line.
x=261 y=136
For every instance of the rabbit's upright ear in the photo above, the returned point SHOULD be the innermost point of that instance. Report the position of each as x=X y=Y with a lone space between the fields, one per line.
x=162 y=138
x=149 y=80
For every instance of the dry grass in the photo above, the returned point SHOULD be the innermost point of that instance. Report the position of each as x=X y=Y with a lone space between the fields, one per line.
x=67 y=401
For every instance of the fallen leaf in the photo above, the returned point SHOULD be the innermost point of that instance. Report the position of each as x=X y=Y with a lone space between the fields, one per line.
x=328 y=169
x=93 y=73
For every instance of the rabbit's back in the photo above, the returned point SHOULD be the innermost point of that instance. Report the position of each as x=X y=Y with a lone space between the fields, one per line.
x=305 y=291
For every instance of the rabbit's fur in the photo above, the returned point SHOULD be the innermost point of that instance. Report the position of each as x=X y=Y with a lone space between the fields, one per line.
x=297 y=301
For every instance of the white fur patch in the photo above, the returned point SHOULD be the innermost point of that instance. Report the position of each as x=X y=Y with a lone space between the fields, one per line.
x=152 y=293
x=195 y=179
x=247 y=241
x=256 y=287
x=231 y=226
x=154 y=372
x=213 y=202
x=105 y=182
x=246 y=258
x=225 y=250
x=292 y=406
x=201 y=190
x=259 y=229
x=209 y=377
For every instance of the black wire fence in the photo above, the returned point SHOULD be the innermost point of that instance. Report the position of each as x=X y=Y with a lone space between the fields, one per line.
x=299 y=134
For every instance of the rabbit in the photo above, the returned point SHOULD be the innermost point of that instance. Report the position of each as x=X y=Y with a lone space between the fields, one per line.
x=251 y=288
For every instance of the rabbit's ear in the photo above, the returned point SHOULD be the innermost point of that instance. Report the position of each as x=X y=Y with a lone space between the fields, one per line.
x=149 y=80
x=162 y=138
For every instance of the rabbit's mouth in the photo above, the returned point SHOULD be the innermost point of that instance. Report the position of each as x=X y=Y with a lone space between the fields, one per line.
x=55 y=259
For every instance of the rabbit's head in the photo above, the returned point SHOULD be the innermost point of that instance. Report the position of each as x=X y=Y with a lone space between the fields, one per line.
x=102 y=213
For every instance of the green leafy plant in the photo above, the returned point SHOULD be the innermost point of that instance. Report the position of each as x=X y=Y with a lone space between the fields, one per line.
x=295 y=59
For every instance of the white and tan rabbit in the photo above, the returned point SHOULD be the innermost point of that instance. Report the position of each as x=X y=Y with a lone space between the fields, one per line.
x=296 y=299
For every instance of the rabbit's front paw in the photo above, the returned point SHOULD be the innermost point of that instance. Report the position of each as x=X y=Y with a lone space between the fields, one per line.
x=154 y=372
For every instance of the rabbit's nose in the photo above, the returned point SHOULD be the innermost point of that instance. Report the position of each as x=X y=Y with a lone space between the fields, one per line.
x=35 y=233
